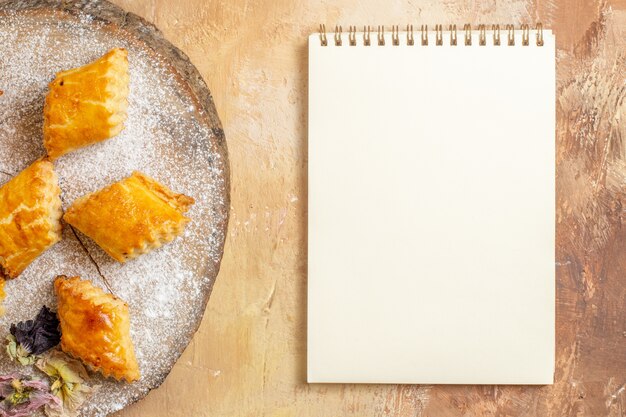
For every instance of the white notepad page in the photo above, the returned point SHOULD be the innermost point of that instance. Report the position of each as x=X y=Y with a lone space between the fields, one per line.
x=431 y=211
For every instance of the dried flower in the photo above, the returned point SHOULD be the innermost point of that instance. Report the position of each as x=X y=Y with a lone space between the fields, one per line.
x=39 y=335
x=17 y=353
x=20 y=395
x=68 y=378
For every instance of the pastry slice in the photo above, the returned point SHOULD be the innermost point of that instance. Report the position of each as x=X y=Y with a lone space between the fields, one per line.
x=95 y=328
x=30 y=217
x=130 y=217
x=86 y=105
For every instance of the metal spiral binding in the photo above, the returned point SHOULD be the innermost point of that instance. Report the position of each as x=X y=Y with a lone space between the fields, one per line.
x=525 y=35
x=323 y=38
x=468 y=34
x=395 y=38
x=352 y=36
x=453 y=35
x=511 y=35
x=439 y=35
x=496 y=34
x=338 y=31
x=424 y=35
x=409 y=35
x=482 y=35
x=539 y=30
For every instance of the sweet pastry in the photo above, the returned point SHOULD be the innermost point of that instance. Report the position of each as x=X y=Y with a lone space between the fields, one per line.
x=30 y=217
x=95 y=328
x=130 y=217
x=86 y=105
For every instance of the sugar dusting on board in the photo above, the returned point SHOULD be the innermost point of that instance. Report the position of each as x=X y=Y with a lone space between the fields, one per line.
x=165 y=138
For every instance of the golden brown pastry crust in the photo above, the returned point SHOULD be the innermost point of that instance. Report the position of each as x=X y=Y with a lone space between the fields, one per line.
x=130 y=217
x=95 y=327
x=30 y=217
x=86 y=105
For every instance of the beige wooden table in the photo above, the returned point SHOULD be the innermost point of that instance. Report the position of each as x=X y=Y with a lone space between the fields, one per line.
x=248 y=359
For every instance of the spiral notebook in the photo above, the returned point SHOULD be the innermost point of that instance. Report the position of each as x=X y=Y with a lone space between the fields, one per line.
x=432 y=205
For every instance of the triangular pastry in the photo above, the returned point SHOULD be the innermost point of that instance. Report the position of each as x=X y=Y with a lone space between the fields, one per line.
x=30 y=217
x=86 y=105
x=95 y=328
x=130 y=217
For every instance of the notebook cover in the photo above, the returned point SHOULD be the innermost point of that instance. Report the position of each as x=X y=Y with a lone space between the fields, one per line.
x=431 y=213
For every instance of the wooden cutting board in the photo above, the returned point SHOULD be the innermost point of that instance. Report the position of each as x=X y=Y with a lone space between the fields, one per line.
x=173 y=133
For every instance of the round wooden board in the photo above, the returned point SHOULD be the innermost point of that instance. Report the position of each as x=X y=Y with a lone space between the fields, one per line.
x=173 y=134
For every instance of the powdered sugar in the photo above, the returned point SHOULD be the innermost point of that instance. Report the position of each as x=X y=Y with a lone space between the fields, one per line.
x=166 y=138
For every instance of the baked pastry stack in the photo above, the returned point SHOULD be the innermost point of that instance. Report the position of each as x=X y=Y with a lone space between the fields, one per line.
x=128 y=218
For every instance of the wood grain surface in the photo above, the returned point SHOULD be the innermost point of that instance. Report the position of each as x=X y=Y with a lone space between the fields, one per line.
x=248 y=359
